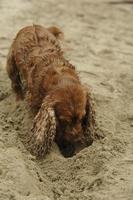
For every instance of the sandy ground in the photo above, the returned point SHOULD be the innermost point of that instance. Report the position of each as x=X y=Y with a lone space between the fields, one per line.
x=99 y=37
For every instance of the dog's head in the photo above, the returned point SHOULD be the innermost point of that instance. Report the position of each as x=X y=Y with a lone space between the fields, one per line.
x=71 y=117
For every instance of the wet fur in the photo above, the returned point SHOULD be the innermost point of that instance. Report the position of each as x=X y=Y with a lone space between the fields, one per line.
x=40 y=73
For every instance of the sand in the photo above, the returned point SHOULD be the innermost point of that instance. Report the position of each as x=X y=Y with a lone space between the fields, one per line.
x=99 y=42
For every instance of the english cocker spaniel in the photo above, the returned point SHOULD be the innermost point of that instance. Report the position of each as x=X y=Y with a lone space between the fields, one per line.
x=63 y=106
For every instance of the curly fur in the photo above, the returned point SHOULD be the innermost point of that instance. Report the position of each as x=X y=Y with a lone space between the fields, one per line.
x=41 y=137
x=40 y=73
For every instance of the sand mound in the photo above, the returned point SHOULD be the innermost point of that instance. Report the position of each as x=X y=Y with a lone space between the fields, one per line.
x=101 y=37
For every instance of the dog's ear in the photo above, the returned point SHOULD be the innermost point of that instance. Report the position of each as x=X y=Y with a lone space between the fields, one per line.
x=56 y=32
x=44 y=129
x=89 y=120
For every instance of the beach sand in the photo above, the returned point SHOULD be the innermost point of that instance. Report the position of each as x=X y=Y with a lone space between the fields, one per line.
x=99 y=42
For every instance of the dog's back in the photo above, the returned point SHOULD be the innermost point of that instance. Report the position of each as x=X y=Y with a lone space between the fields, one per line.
x=33 y=41
x=36 y=61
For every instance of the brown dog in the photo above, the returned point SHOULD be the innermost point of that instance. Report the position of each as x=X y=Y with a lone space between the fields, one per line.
x=39 y=72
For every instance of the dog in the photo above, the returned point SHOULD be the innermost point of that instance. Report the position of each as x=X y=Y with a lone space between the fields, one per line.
x=62 y=106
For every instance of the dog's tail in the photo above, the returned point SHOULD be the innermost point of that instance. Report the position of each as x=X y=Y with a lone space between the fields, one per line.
x=56 y=32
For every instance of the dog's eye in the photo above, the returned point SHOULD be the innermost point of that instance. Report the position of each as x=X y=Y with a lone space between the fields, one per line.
x=64 y=123
x=74 y=120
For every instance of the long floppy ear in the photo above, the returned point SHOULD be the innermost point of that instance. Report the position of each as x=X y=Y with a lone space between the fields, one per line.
x=89 y=123
x=44 y=129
